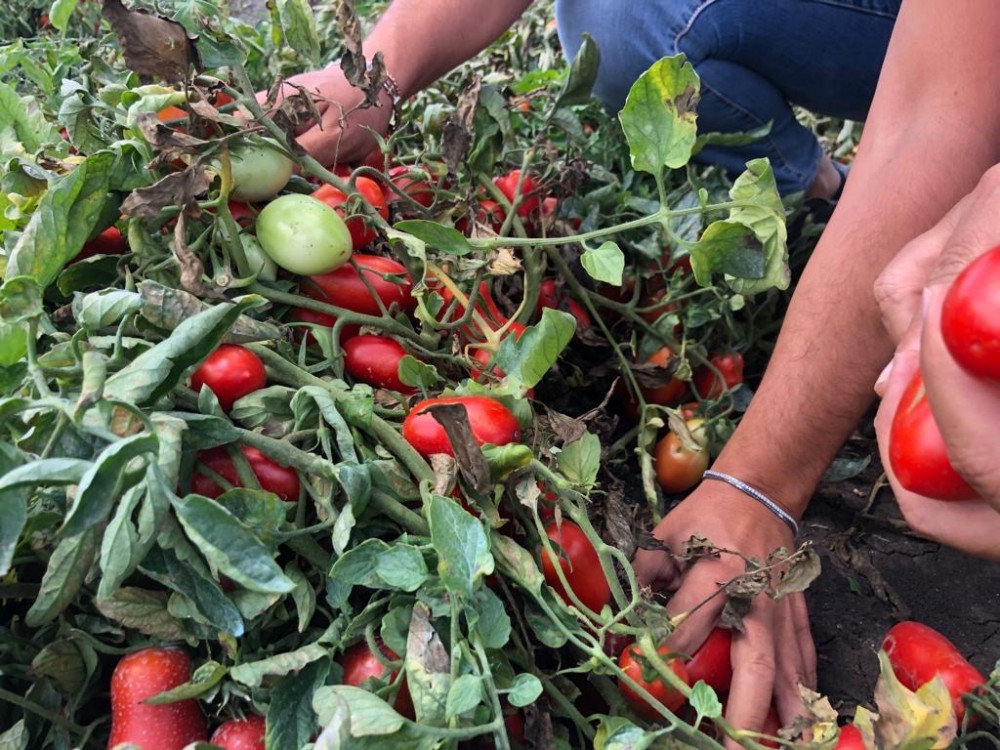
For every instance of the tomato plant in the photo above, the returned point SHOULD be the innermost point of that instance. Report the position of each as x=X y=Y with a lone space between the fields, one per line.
x=240 y=734
x=917 y=452
x=679 y=467
x=491 y=422
x=919 y=653
x=580 y=563
x=303 y=235
x=711 y=383
x=141 y=675
x=259 y=170
x=230 y=372
x=375 y=360
x=359 y=286
x=272 y=476
x=634 y=664
x=335 y=198
x=970 y=317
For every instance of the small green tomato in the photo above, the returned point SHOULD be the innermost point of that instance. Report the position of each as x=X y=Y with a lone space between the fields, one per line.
x=303 y=235
x=259 y=170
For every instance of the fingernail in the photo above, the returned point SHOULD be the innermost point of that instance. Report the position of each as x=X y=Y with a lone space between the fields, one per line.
x=883 y=377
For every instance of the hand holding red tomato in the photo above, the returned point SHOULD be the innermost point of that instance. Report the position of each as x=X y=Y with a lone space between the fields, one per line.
x=911 y=292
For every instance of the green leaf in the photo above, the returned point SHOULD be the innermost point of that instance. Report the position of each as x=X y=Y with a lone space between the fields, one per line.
x=461 y=543
x=442 y=238
x=105 y=480
x=304 y=596
x=417 y=374
x=229 y=545
x=63 y=578
x=299 y=25
x=617 y=733
x=204 y=679
x=13 y=345
x=605 y=263
x=60 y=12
x=252 y=673
x=21 y=125
x=401 y=567
x=69 y=662
x=731 y=139
x=582 y=75
x=464 y=695
x=659 y=117
x=488 y=617
x=105 y=308
x=15 y=738
x=531 y=356
x=580 y=460
x=525 y=691
x=366 y=715
x=48 y=471
x=119 y=544
x=158 y=370
x=291 y=721
x=727 y=247
x=356 y=567
x=704 y=700
x=63 y=221
x=504 y=460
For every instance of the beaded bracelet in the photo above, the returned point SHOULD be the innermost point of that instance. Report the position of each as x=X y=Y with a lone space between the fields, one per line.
x=757 y=495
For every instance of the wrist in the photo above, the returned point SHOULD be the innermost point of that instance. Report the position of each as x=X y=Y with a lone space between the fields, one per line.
x=790 y=491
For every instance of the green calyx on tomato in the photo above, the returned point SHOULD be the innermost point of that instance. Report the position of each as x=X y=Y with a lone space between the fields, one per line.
x=634 y=664
x=303 y=235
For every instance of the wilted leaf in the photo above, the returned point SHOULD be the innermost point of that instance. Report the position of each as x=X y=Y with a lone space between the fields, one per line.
x=153 y=46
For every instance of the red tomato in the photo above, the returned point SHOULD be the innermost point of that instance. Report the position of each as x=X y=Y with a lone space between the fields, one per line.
x=305 y=315
x=240 y=734
x=416 y=188
x=242 y=213
x=549 y=295
x=283 y=481
x=580 y=563
x=374 y=159
x=970 y=317
x=631 y=662
x=678 y=468
x=917 y=452
x=850 y=738
x=230 y=372
x=484 y=306
x=669 y=393
x=360 y=664
x=490 y=213
x=141 y=675
x=108 y=242
x=708 y=385
x=361 y=233
x=375 y=360
x=348 y=287
x=918 y=653
x=507 y=184
x=711 y=662
x=491 y=422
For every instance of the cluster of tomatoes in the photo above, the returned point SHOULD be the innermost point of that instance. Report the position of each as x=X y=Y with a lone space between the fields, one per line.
x=970 y=327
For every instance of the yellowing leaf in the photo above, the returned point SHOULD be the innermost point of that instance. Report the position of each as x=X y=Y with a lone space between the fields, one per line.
x=923 y=720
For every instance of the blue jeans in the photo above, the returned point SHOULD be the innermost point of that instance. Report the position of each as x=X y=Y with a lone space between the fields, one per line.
x=754 y=57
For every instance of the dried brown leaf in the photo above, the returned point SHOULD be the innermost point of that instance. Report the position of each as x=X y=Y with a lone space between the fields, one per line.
x=457 y=133
x=153 y=46
x=471 y=462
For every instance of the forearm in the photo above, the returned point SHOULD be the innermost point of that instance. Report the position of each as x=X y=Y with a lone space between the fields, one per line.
x=931 y=135
x=422 y=40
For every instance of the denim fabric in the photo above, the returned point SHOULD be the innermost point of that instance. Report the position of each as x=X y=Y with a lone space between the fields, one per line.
x=754 y=58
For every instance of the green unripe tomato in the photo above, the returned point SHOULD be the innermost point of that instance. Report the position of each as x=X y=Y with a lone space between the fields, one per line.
x=259 y=170
x=303 y=235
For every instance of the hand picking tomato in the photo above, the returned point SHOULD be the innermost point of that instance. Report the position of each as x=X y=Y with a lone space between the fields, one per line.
x=375 y=360
x=507 y=184
x=490 y=420
x=712 y=662
x=360 y=664
x=679 y=467
x=335 y=198
x=634 y=664
x=348 y=287
x=917 y=453
x=580 y=563
x=918 y=653
x=230 y=372
x=708 y=385
x=108 y=242
x=303 y=235
x=668 y=393
x=970 y=317
x=170 y=726
x=241 y=734
x=283 y=481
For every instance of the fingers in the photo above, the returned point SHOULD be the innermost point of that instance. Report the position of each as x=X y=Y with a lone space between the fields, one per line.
x=754 y=664
x=700 y=581
x=656 y=569
x=795 y=657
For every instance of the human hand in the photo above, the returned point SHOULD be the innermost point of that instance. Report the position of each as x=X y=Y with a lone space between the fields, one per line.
x=344 y=133
x=911 y=291
x=775 y=652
